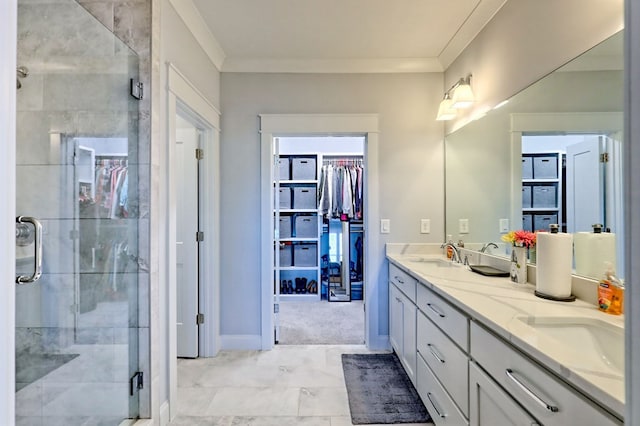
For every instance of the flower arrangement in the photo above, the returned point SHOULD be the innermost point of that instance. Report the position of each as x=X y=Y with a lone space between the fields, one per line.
x=520 y=238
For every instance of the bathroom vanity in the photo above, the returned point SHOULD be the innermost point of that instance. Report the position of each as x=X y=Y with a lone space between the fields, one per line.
x=485 y=351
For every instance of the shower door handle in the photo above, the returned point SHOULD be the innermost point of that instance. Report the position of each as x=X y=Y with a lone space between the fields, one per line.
x=23 y=232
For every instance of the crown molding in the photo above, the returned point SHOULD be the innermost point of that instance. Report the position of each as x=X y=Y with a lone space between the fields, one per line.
x=470 y=28
x=325 y=66
x=192 y=18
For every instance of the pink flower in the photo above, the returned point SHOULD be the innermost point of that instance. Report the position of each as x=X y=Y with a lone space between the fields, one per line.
x=520 y=238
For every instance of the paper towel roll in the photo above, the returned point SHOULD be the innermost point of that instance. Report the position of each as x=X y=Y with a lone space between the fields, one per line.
x=553 y=270
x=592 y=251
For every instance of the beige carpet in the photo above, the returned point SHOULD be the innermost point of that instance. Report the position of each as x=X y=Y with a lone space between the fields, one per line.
x=321 y=323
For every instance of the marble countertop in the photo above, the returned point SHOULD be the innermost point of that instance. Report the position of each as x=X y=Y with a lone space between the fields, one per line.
x=509 y=309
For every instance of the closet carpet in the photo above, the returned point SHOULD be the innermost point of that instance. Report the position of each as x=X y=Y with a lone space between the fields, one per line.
x=321 y=323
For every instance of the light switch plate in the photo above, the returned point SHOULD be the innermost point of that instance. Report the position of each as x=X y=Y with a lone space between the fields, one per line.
x=504 y=226
x=463 y=226
x=425 y=226
x=385 y=226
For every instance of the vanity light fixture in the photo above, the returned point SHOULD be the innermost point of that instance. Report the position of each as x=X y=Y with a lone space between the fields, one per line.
x=445 y=111
x=462 y=94
x=459 y=96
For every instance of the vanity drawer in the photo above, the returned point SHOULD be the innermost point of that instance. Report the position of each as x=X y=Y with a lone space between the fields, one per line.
x=405 y=282
x=454 y=323
x=446 y=361
x=550 y=400
x=442 y=409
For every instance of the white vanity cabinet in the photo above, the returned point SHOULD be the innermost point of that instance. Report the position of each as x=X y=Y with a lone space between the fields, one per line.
x=442 y=344
x=490 y=405
x=538 y=392
x=402 y=318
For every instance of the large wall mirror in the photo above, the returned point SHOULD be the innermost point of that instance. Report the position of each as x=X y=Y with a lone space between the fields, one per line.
x=549 y=155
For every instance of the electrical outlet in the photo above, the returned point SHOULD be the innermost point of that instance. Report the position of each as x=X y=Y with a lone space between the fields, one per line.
x=463 y=226
x=504 y=226
x=385 y=226
x=425 y=226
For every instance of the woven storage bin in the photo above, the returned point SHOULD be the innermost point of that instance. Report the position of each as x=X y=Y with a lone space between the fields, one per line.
x=305 y=255
x=306 y=226
x=303 y=168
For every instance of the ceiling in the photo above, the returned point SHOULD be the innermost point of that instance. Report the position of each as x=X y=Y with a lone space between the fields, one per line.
x=337 y=35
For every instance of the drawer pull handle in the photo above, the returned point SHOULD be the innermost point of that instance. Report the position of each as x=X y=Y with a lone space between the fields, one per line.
x=435 y=353
x=435 y=406
x=536 y=398
x=399 y=280
x=436 y=310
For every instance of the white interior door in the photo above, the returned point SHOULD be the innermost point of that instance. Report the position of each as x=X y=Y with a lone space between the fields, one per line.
x=585 y=185
x=187 y=141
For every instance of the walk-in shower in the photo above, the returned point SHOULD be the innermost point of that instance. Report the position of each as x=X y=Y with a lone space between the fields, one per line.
x=79 y=341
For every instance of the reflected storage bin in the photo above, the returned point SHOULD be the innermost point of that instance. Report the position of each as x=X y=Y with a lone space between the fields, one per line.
x=303 y=168
x=306 y=226
x=304 y=197
x=545 y=167
x=356 y=290
x=527 y=222
x=285 y=227
x=527 y=168
x=526 y=196
x=286 y=255
x=542 y=221
x=285 y=198
x=305 y=255
x=544 y=196
x=284 y=169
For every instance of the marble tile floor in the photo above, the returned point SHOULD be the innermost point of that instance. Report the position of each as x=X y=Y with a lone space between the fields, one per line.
x=289 y=385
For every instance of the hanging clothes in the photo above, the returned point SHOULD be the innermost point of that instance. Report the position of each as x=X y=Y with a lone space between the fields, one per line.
x=112 y=186
x=340 y=189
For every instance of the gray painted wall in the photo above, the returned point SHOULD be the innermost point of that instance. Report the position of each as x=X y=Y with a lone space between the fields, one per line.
x=411 y=167
x=525 y=41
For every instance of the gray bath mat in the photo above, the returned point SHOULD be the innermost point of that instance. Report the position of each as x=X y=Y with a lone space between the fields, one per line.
x=380 y=392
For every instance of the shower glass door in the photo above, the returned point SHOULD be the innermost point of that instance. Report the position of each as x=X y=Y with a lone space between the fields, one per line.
x=77 y=326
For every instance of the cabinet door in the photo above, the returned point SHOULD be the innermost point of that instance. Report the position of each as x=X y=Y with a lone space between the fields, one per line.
x=396 y=322
x=490 y=405
x=409 y=338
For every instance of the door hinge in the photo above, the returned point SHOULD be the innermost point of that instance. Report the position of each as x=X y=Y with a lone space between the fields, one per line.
x=199 y=153
x=136 y=382
x=200 y=319
x=199 y=236
x=137 y=89
x=604 y=157
x=276 y=308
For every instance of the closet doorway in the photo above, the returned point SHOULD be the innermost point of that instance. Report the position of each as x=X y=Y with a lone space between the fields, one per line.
x=319 y=229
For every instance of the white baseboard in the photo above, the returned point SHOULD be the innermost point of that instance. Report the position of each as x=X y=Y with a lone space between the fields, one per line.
x=379 y=343
x=139 y=422
x=240 y=342
x=164 y=414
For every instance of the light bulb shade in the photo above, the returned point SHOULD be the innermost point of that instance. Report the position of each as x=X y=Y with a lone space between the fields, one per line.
x=445 y=111
x=462 y=97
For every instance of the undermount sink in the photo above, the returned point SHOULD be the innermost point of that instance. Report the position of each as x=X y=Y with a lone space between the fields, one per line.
x=435 y=261
x=595 y=340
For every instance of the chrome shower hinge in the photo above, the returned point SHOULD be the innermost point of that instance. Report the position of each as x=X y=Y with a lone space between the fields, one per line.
x=137 y=89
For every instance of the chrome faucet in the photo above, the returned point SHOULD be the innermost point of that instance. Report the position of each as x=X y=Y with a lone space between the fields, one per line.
x=456 y=253
x=487 y=245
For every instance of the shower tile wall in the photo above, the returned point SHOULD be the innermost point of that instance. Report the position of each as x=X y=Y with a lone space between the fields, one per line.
x=78 y=72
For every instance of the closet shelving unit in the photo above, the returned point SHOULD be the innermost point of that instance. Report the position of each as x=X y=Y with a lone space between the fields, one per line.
x=299 y=226
x=542 y=190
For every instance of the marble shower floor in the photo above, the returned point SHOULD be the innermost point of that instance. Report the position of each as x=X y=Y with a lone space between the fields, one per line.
x=289 y=385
